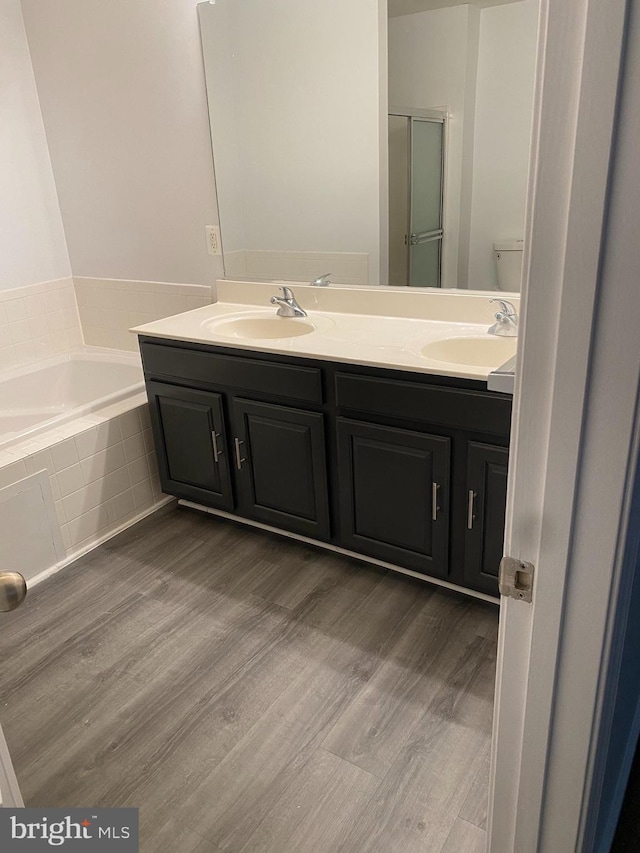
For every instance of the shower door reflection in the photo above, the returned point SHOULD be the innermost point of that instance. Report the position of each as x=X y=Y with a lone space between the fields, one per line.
x=416 y=190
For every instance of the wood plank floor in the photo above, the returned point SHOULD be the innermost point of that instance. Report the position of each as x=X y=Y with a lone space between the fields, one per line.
x=252 y=694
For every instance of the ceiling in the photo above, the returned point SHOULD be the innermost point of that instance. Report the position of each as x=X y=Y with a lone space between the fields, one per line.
x=410 y=7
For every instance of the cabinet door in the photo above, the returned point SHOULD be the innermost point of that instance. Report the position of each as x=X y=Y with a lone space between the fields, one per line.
x=281 y=467
x=394 y=495
x=487 y=468
x=189 y=434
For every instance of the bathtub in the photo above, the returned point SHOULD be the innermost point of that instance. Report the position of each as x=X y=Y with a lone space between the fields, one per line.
x=57 y=390
x=77 y=460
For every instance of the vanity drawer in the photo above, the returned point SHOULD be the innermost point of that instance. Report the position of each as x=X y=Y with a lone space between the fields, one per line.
x=207 y=369
x=474 y=411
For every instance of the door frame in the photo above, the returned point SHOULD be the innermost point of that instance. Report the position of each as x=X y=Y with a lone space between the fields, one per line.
x=10 y=796
x=435 y=116
x=569 y=480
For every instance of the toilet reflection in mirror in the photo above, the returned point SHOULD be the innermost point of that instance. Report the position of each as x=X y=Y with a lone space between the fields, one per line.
x=387 y=143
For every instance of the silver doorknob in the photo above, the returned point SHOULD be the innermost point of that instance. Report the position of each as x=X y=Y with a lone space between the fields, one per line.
x=13 y=590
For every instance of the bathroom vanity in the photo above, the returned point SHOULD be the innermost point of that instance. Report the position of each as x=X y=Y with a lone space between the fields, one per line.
x=400 y=466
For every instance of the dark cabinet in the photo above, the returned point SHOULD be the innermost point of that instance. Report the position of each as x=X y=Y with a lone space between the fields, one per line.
x=281 y=466
x=487 y=468
x=405 y=468
x=191 y=446
x=276 y=454
x=394 y=495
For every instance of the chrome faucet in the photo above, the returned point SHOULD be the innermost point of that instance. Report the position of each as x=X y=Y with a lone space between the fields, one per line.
x=506 y=324
x=288 y=305
x=322 y=280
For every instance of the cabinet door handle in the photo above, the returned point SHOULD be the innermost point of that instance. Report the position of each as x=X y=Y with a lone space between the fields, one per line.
x=470 y=515
x=216 y=450
x=435 y=488
x=239 y=458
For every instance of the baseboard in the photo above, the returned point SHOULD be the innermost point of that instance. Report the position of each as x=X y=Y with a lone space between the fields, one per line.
x=71 y=558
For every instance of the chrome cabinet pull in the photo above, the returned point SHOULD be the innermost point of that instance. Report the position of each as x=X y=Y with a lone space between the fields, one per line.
x=470 y=515
x=216 y=450
x=435 y=487
x=239 y=458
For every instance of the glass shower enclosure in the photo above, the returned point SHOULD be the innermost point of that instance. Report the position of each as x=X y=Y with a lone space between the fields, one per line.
x=416 y=197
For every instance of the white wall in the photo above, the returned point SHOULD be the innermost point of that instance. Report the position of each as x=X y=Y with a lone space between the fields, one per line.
x=122 y=95
x=215 y=29
x=429 y=68
x=305 y=119
x=31 y=234
x=504 y=106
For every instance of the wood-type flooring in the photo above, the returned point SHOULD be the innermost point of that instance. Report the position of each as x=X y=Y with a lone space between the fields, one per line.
x=252 y=694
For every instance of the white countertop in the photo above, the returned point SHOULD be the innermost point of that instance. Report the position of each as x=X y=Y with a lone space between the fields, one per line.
x=374 y=339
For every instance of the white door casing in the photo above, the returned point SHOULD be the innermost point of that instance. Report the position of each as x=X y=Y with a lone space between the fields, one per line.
x=550 y=658
x=10 y=796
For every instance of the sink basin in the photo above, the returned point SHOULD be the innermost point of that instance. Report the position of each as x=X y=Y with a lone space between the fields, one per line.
x=488 y=351
x=263 y=328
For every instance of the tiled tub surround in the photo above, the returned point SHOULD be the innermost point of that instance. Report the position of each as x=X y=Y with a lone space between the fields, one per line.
x=52 y=317
x=37 y=322
x=100 y=463
x=82 y=418
x=101 y=468
x=109 y=308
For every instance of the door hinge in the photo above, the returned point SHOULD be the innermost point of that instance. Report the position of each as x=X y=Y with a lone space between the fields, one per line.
x=516 y=579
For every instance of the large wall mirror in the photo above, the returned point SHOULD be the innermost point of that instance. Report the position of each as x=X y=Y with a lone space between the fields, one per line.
x=381 y=142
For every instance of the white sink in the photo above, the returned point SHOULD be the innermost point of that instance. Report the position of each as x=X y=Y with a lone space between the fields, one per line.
x=488 y=351
x=262 y=328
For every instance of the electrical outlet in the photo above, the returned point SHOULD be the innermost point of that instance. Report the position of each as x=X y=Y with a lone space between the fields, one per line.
x=214 y=246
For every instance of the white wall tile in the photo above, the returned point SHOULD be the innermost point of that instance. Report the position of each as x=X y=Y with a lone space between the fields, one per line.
x=38 y=326
x=148 y=440
x=19 y=331
x=152 y=462
x=55 y=319
x=89 y=524
x=134 y=447
x=69 y=479
x=35 y=305
x=108 y=309
x=38 y=321
x=64 y=454
x=52 y=301
x=139 y=470
x=142 y=494
x=25 y=352
x=122 y=505
x=89 y=442
x=103 y=463
x=116 y=482
x=75 y=336
x=92 y=441
x=102 y=490
x=60 y=512
x=145 y=419
x=15 y=310
x=42 y=460
x=12 y=473
x=155 y=485
x=86 y=498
